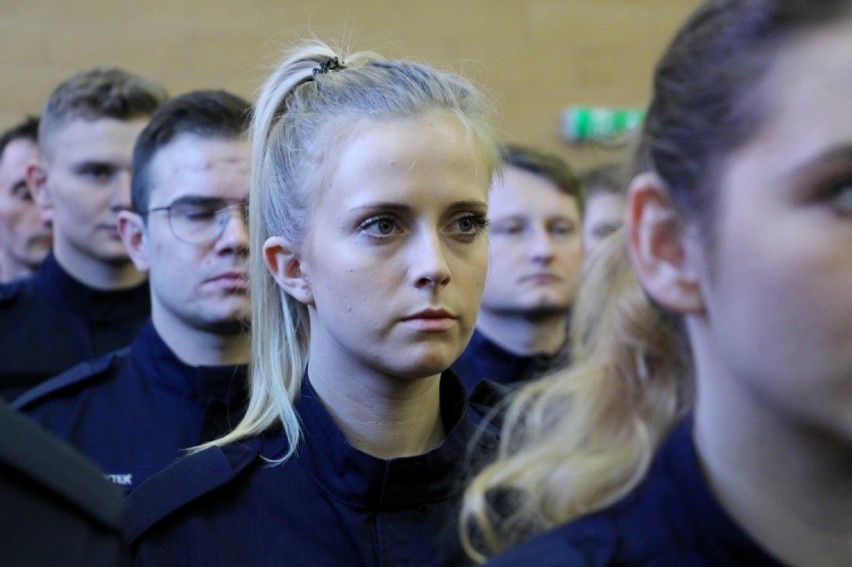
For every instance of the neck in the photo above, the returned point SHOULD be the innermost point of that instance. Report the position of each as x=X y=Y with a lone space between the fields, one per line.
x=525 y=334
x=787 y=484
x=383 y=416
x=97 y=274
x=204 y=347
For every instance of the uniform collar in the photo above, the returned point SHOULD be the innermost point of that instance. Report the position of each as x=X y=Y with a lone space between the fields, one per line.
x=159 y=363
x=360 y=479
x=54 y=282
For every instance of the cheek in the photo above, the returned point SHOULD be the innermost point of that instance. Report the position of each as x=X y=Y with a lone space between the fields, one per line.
x=69 y=205
x=780 y=299
x=471 y=270
x=572 y=252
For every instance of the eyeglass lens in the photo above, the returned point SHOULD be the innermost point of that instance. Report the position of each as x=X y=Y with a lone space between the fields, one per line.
x=203 y=220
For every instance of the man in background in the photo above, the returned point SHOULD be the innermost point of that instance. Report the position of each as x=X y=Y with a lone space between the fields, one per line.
x=606 y=199
x=86 y=298
x=183 y=380
x=536 y=253
x=25 y=233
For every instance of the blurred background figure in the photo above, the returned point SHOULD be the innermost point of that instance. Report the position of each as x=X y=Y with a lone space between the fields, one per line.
x=535 y=240
x=86 y=296
x=25 y=233
x=606 y=189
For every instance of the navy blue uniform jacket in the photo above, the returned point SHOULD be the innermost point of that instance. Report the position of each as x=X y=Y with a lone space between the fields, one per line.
x=671 y=520
x=329 y=504
x=50 y=322
x=132 y=411
x=483 y=359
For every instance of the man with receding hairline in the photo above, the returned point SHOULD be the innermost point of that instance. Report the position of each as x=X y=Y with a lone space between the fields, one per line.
x=86 y=298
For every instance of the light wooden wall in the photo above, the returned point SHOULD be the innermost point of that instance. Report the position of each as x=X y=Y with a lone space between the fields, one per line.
x=535 y=56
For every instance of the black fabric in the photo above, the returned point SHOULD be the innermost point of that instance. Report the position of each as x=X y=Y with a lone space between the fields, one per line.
x=57 y=509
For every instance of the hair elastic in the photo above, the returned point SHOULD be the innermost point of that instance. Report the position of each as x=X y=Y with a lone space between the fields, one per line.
x=330 y=64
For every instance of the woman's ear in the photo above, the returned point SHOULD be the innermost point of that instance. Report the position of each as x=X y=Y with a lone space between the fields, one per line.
x=664 y=252
x=285 y=265
x=131 y=229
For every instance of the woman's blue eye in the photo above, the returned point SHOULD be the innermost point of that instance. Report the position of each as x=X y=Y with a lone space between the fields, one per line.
x=471 y=225
x=466 y=224
x=384 y=226
x=379 y=226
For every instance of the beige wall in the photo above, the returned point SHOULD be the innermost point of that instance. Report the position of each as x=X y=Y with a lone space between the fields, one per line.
x=535 y=56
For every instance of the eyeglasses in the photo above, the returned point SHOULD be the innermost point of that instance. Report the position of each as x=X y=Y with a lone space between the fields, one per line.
x=199 y=220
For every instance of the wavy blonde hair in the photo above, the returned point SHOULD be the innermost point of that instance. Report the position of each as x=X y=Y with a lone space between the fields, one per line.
x=312 y=99
x=578 y=440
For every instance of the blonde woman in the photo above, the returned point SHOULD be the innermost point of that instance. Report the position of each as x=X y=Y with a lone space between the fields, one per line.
x=734 y=269
x=368 y=259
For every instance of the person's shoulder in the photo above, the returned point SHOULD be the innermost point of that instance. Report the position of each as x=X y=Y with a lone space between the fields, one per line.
x=38 y=455
x=86 y=374
x=15 y=291
x=185 y=481
x=44 y=483
x=587 y=544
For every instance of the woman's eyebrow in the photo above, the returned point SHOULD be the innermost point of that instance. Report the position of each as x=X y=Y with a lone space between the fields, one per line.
x=835 y=155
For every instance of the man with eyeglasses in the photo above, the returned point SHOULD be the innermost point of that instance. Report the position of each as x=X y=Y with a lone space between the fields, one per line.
x=86 y=298
x=183 y=381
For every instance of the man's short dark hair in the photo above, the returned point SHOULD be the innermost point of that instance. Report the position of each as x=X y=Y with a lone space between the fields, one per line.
x=104 y=92
x=549 y=166
x=26 y=130
x=212 y=114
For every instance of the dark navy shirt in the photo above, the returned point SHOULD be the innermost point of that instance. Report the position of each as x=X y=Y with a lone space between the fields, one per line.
x=483 y=359
x=329 y=504
x=132 y=411
x=49 y=322
x=671 y=520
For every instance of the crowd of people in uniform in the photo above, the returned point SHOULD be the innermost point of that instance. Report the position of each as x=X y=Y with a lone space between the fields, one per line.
x=347 y=325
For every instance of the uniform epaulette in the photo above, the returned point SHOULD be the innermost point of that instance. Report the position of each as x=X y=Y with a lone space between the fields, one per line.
x=79 y=374
x=183 y=482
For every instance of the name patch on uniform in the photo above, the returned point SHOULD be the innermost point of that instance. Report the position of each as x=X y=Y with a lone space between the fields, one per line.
x=120 y=479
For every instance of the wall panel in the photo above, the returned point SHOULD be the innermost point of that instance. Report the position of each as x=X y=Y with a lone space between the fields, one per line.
x=535 y=56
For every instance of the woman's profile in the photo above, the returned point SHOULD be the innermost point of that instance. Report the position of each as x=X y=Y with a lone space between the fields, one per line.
x=734 y=272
